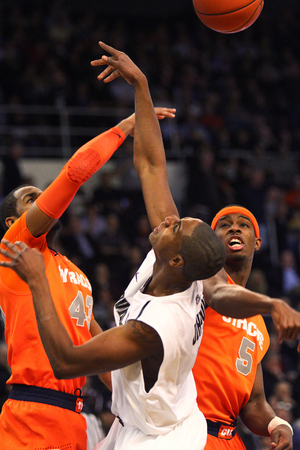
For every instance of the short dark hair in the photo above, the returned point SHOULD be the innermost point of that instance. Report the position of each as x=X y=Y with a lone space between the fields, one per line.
x=8 y=206
x=203 y=253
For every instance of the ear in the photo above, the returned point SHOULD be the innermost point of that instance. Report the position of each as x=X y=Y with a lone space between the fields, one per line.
x=176 y=262
x=257 y=243
x=10 y=220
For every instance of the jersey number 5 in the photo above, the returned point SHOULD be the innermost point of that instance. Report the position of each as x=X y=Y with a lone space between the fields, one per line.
x=244 y=362
x=77 y=309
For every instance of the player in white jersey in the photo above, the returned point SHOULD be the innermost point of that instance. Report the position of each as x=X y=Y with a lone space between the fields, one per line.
x=164 y=415
x=178 y=319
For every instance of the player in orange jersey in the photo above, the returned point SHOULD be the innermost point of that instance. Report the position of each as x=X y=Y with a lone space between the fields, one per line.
x=43 y=412
x=228 y=371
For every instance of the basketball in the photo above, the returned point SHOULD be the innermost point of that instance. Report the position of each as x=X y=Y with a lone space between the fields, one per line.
x=228 y=16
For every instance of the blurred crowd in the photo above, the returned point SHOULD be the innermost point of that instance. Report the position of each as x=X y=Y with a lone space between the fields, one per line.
x=238 y=113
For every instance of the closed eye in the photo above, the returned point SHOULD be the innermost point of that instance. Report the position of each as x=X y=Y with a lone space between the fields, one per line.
x=177 y=227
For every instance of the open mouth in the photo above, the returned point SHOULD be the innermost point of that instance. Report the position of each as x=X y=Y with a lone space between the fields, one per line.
x=236 y=243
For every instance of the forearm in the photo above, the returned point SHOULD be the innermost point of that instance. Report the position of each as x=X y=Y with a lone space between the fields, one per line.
x=98 y=355
x=150 y=160
x=55 y=339
x=256 y=416
x=95 y=329
x=148 y=145
x=238 y=302
x=127 y=125
x=53 y=202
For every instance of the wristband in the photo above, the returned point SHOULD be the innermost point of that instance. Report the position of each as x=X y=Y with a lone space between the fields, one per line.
x=275 y=422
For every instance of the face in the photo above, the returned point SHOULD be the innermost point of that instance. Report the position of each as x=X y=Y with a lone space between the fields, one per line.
x=167 y=238
x=26 y=196
x=238 y=236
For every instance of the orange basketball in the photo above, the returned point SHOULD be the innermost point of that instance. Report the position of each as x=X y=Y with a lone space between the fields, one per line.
x=228 y=16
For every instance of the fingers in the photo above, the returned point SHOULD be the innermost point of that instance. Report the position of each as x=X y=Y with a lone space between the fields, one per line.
x=14 y=249
x=161 y=113
x=280 y=337
x=108 y=48
x=7 y=254
x=98 y=62
x=105 y=59
x=110 y=73
x=288 y=333
x=111 y=77
x=22 y=245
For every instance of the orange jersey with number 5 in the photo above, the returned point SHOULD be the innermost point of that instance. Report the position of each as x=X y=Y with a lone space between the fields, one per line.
x=226 y=363
x=72 y=296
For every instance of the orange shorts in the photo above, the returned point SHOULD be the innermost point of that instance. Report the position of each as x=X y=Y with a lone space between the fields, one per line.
x=36 y=426
x=214 y=443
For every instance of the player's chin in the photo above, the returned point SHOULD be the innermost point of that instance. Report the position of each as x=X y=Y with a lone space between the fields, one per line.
x=235 y=256
x=152 y=239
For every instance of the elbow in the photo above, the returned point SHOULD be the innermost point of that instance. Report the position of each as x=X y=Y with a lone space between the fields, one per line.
x=61 y=370
x=139 y=166
x=59 y=375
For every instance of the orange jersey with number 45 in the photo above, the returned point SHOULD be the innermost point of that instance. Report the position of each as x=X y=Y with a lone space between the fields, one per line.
x=72 y=296
x=226 y=363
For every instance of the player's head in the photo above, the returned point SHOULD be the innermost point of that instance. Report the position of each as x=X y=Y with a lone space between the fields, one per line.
x=190 y=245
x=238 y=230
x=18 y=201
x=202 y=252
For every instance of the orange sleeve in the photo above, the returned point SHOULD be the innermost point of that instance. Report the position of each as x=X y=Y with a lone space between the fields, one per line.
x=83 y=164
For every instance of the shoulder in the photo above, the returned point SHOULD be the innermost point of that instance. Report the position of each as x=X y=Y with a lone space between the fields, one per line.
x=20 y=232
x=220 y=278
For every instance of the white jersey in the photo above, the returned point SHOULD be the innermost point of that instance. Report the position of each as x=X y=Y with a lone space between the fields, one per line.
x=178 y=319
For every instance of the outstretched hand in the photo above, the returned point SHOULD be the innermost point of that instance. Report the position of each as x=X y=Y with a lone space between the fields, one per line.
x=161 y=113
x=28 y=263
x=286 y=321
x=118 y=64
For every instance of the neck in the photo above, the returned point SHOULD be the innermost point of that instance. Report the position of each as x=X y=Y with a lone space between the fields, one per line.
x=239 y=274
x=166 y=281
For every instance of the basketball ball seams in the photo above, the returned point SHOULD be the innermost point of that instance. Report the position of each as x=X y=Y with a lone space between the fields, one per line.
x=228 y=16
x=245 y=24
x=227 y=12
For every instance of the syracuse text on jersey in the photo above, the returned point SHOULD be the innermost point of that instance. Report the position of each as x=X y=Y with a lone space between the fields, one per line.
x=249 y=327
x=74 y=277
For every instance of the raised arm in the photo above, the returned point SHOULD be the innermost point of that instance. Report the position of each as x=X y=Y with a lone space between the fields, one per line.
x=149 y=154
x=239 y=302
x=52 y=203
